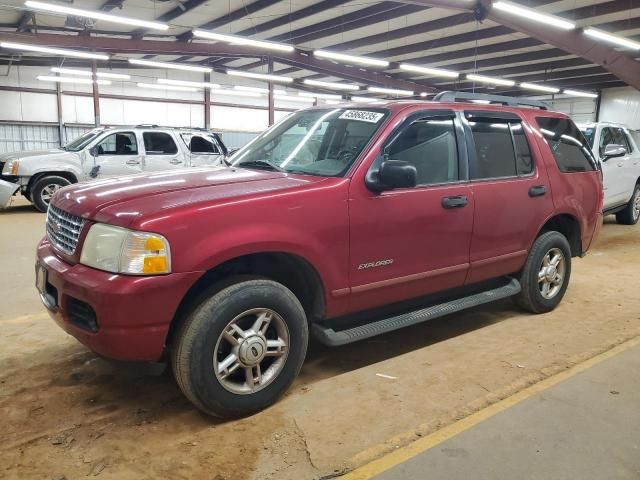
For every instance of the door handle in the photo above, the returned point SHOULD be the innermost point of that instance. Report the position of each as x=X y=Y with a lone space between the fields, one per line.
x=175 y=161
x=537 y=191
x=133 y=162
x=620 y=164
x=458 y=201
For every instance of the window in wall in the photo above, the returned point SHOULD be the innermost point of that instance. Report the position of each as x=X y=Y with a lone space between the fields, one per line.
x=159 y=143
x=568 y=145
x=430 y=146
x=123 y=143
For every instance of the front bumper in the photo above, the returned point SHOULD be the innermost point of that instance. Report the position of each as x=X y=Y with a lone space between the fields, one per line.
x=133 y=314
x=7 y=190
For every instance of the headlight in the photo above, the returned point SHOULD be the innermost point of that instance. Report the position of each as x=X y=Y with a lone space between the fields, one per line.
x=120 y=250
x=11 y=167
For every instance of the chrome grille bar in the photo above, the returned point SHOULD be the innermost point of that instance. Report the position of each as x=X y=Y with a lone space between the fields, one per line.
x=63 y=229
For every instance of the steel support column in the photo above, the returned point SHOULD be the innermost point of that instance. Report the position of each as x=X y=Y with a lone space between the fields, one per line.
x=272 y=110
x=96 y=96
x=207 y=102
x=59 y=110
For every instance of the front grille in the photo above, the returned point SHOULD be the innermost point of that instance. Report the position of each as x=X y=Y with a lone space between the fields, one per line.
x=63 y=229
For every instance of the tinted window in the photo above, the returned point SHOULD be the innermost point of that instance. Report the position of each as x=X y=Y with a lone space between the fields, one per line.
x=524 y=159
x=606 y=138
x=198 y=144
x=430 y=146
x=568 y=145
x=118 y=144
x=620 y=138
x=159 y=143
x=495 y=152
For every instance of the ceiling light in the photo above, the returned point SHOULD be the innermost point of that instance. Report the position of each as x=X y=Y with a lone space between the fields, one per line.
x=320 y=95
x=259 y=90
x=331 y=85
x=53 y=51
x=48 y=7
x=492 y=80
x=607 y=37
x=174 y=66
x=423 y=94
x=530 y=14
x=235 y=93
x=351 y=58
x=86 y=73
x=292 y=98
x=365 y=100
x=235 y=40
x=578 y=93
x=157 y=86
x=390 y=91
x=184 y=83
x=540 y=88
x=333 y=102
x=51 y=78
x=439 y=72
x=260 y=76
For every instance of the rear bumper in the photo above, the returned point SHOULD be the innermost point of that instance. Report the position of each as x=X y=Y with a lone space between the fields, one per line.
x=7 y=190
x=133 y=314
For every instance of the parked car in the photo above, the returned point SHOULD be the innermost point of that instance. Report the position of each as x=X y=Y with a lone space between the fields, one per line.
x=106 y=152
x=615 y=146
x=343 y=222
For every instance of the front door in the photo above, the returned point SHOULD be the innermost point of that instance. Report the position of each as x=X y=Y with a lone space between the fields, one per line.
x=117 y=154
x=616 y=185
x=203 y=150
x=161 y=152
x=410 y=242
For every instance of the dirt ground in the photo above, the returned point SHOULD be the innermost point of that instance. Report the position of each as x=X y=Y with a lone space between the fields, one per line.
x=65 y=413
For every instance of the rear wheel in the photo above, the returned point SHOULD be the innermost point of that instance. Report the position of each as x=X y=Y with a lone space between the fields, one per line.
x=44 y=188
x=546 y=273
x=241 y=348
x=631 y=214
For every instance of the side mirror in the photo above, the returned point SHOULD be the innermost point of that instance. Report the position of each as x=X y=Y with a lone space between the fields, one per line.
x=613 y=150
x=393 y=174
x=93 y=151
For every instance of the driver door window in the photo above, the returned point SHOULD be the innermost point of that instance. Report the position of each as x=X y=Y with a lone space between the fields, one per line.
x=117 y=155
x=204 y=151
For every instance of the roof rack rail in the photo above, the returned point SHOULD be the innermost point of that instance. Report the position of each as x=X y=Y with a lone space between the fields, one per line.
x=147 y=125
x=449 y=96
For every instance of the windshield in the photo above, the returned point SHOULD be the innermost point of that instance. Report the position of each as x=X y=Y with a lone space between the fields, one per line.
x=588 y=133
x=315 y=142
x=82 y=141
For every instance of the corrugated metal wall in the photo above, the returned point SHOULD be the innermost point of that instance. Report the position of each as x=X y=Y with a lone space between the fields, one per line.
x=237 y=139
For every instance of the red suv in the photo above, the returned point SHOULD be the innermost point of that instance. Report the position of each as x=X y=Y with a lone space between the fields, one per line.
x=344 y=222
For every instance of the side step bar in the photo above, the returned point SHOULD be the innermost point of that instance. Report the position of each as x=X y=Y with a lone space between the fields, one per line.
x=332 y=338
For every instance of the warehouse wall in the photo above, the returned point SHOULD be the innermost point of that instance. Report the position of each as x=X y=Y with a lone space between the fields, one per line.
x=621 y=105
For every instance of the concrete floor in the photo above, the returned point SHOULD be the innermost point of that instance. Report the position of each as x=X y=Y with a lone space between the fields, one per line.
x=65 y=411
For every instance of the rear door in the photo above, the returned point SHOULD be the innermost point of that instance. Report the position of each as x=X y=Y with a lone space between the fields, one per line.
x=511 y=191
x=118 y=154
x=161 y=151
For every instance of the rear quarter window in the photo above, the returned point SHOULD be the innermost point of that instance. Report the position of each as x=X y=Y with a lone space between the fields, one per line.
x=568 y=146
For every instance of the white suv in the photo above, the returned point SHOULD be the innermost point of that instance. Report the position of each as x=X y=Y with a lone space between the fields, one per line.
x=616 y=148
x=106 y=152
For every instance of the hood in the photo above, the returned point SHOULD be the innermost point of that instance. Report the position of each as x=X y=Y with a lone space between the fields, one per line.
x=37 y=155
x=121 y=200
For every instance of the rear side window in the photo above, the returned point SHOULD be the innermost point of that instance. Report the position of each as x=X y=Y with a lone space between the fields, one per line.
x=502 y=149
x=159 y=143
x=568 y=146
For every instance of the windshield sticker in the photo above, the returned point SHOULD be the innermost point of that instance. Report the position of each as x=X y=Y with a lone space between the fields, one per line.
x=362 y=115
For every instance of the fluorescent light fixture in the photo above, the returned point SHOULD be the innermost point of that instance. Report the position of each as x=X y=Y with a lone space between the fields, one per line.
x=54 y=8
x=438 y=72
x=292 y=98
x=331 y=85
x=320 y=95
x=52 y=78
x=86 y=73
x=616 y=40
x=423 y=94
x=333 y=102
x=365 y=100
x=578 y=93
x=184 y=83
x=492 y=80
x=234 y=93
x=532 y=15
x=390 y=91
x=260 y=76
x=157 y=86
x=351 y=58
x=53 y=51
x=259 y=90
x=236 y=40
x=539 y=88
x=173 y=66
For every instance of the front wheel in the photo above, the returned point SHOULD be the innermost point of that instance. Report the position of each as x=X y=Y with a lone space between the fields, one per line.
x=631 y=213
x=44 y=188
x=241 y=348
x=546 y=273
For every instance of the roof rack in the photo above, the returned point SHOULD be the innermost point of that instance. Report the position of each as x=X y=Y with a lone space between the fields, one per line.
x=500 y=99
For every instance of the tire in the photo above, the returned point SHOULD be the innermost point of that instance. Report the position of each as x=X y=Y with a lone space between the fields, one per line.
x=631 y=214
x=44 y=188
x=202 y=347
x=532 y=296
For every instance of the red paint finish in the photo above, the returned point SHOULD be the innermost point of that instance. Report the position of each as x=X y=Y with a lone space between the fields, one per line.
x=334 y=224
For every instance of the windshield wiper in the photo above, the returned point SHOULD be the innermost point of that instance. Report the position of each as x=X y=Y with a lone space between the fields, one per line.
x=261 y=164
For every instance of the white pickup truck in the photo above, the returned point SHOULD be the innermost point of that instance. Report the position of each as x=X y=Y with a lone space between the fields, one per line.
x=616 y=148
x=106 y=152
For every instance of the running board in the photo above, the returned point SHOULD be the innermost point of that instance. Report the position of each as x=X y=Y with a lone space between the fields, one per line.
x=332 y=338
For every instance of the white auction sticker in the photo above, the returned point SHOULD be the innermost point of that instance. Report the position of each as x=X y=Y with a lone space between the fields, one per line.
x=362 y=115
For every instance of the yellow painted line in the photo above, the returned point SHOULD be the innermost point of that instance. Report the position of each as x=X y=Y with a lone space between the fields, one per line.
x=403 y=454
